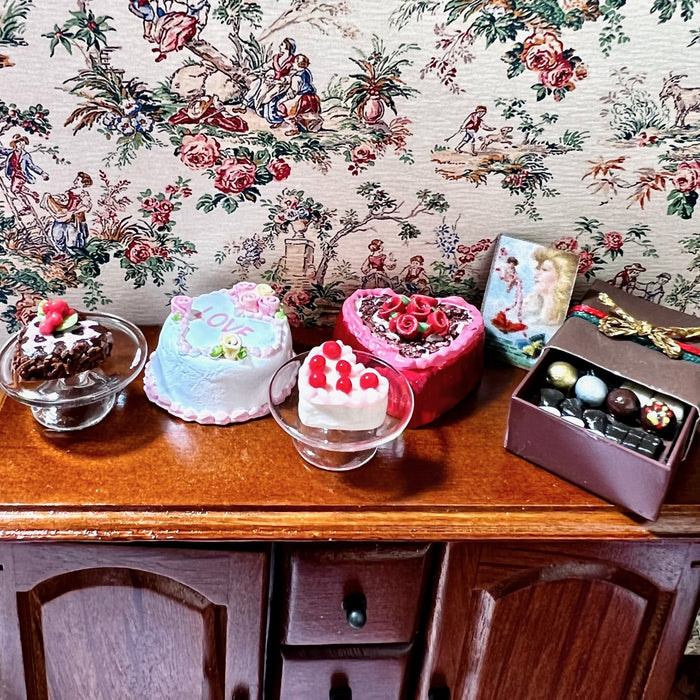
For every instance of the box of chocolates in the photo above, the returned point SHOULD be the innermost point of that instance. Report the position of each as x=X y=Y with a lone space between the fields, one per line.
x=612 y=403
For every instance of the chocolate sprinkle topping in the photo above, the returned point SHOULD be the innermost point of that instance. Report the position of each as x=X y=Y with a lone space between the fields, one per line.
x=419 y=347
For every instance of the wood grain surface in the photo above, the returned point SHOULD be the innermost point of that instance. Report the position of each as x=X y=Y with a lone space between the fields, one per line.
x=142 y=474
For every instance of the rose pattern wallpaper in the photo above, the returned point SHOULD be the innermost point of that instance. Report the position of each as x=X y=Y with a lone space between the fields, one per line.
x=150 y=148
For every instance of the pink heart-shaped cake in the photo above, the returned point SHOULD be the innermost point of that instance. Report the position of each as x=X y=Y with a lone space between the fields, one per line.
x=436 y=343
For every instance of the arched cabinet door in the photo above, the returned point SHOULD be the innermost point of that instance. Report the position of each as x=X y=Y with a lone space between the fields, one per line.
x=104 y=622
x=529 y=621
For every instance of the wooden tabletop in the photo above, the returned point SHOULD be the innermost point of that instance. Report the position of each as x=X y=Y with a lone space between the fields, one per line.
x=142 y=474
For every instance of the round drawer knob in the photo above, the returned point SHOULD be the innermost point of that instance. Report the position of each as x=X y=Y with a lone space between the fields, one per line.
x=355 y=606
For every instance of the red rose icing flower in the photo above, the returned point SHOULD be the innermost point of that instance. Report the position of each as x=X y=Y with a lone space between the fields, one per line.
x=438 y=322
x=420 y=306
x=407 y=326
x=393 y=305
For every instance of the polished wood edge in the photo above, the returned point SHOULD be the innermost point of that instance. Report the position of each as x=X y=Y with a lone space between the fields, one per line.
x=403 y=525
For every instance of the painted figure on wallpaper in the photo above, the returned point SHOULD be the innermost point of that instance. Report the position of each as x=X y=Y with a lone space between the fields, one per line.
x=626 y=279
x=469 y=128
x=516 y=152
x=377 y=266
x=68 y=210
x=21 y=171
x=301 y=109
x=415 y=277
x=272 y=84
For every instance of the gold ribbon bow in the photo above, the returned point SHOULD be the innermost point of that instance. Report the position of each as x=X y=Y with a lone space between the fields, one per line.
x=619 y=322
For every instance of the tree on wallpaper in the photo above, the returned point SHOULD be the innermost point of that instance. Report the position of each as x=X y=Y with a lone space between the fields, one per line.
x=307 y=227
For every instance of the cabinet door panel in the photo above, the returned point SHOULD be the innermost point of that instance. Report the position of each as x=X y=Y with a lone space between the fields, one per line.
x=106 y=622
x=527 y=622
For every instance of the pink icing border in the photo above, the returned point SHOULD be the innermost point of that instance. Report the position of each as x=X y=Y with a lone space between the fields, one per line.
x=376 y=346
x=204 y=417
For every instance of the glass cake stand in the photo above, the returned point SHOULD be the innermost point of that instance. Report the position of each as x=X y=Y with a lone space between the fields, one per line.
x=81 y=400
x=339 y=450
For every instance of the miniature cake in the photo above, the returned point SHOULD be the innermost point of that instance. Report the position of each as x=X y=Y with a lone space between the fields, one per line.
x=59 y=342
x=437 y=344
x=217 y=353
x=338 y=392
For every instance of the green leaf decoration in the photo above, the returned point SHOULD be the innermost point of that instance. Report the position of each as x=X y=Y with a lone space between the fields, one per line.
x=217 y=351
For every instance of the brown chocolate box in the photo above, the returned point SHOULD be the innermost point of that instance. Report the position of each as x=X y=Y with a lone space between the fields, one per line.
x=608 y=469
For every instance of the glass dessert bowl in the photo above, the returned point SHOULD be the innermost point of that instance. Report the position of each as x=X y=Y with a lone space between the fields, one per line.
x=335 y=449
x=84 y=399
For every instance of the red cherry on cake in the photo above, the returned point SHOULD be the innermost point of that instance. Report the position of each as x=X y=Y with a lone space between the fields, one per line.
x=317 y=363
x=331 y=350
x=343 y=367
x=317 y=380
x=58 y=306
x=344 y=384
x=369 y=380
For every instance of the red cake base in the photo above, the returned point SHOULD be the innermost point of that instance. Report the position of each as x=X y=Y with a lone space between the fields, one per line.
x=445 y=379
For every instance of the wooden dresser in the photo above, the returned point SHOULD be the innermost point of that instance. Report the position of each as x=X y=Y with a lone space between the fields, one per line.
x=147 y=558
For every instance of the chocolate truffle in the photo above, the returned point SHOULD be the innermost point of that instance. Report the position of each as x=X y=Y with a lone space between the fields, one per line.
x=595 y=420
x=550 y=400
x=562 y=375
x=572 y=411
x=591 y=390
x=657 y=417
x=623 y=404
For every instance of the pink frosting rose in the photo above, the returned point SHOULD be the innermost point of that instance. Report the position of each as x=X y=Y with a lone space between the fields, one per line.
x=249 y=300
x=199 y=151
x=268 y=305
x=687 y=177
x=542 y=51
x=234 y=175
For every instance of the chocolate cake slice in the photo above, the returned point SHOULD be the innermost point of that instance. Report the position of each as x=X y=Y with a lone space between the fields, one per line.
x=62 y=353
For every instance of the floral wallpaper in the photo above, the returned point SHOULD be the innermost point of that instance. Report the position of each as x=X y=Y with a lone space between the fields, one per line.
x=156 y=147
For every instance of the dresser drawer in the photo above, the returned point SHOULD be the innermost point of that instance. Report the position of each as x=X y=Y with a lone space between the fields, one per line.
x=381 y=678
x=366 y=594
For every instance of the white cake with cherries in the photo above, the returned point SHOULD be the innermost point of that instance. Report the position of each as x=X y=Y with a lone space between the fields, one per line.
x=217 y=353
x=336 y=392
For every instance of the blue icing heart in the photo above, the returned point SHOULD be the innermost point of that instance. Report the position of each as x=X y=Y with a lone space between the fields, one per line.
x=218 y=315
